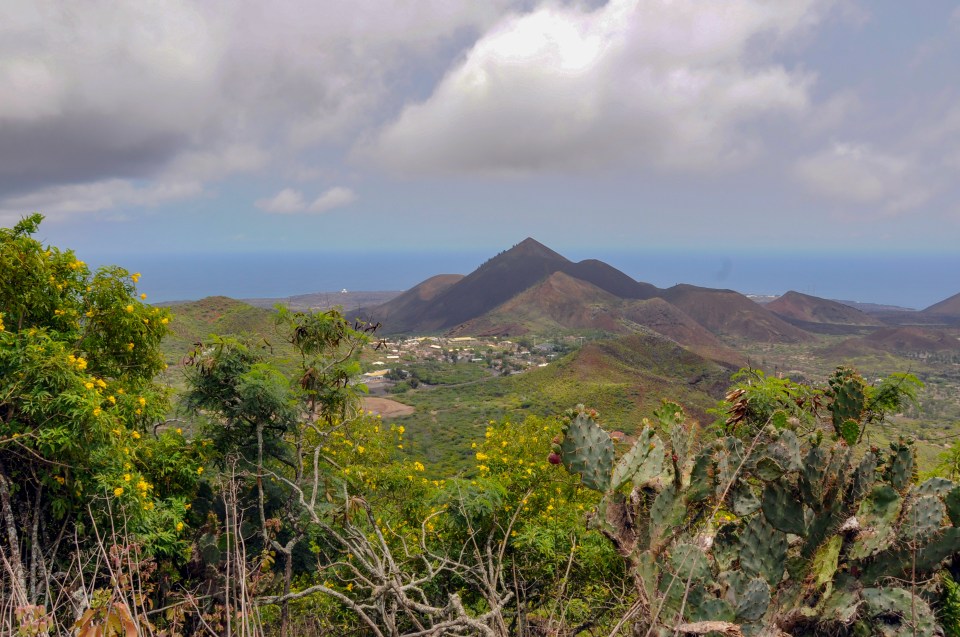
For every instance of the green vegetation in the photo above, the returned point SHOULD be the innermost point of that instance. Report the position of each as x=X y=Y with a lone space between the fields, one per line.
x=250 y=494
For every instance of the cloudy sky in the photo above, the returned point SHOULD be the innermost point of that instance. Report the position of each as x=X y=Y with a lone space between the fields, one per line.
x=234 y=126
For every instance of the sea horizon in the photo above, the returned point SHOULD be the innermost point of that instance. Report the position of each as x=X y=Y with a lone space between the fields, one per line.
x=910 y=281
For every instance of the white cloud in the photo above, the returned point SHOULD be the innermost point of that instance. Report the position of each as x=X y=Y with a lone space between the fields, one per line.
x=334 y=198
x=860 y=174
x=107 y=194
x=658 y=83
x=286 y=201
x=290 y=201
x=141 y=91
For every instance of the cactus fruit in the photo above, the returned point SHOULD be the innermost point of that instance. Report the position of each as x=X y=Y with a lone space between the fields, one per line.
x=588 y=450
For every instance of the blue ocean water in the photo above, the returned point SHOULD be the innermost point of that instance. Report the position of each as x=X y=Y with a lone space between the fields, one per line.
x=914 y=281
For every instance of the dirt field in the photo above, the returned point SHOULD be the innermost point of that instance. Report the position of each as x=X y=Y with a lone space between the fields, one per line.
x=386 y=407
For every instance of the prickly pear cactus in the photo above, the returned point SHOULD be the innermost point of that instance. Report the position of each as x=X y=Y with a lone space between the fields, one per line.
x=774 y=535
x=587 y=449
x=847 y=389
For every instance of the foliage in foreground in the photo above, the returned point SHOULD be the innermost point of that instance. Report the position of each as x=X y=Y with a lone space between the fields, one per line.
x=776 y=531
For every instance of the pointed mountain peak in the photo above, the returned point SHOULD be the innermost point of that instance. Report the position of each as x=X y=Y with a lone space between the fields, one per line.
x=530 y=247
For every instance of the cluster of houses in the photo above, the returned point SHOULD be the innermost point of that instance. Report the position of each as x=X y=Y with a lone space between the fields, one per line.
x=501 y=356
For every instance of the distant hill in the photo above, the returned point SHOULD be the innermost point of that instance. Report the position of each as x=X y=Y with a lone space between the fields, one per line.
x=643 y=369
x=732 y=315
x=195 y=321
x=912 y=341
x=326 y=300
x=798 y=307
x=562 y=302
x=497 y=281
x=559 y=302
x=948 y=307
x=414 y=301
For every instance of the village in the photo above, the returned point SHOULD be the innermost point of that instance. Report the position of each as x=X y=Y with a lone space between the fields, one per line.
x=399 y=363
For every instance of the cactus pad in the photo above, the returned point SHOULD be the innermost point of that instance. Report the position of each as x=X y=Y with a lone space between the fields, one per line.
x=641 y=463
x=763 y=550
x=782 y=510
x=753 y=601
x=588 y=450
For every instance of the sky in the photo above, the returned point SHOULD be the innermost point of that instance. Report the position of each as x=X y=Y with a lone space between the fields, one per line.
x=232 y=127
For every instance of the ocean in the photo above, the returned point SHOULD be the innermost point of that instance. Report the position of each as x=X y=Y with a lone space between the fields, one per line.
x=914 y=281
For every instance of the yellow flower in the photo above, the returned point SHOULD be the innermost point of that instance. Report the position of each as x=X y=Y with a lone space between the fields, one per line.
x=146 y=321
x=113 y=401
x=482 y=456
x=199 y=470
x=164 y=320
x=129 y=308
x=136 y=435
x=143 y=296
x=126 y=477
x=59 y=479
x=118 y=491
x=400 y=430
x=81 y=364
x=135 y=277
x=188 y=507
x=142 y=401
x=101 y=383
x=360 y=449
x=419 y=466
x=89 y=313
x=88 y=385
x=96 y=411
x=179 y=430
x=120 y=391
x=179 y=526
x=130 y=347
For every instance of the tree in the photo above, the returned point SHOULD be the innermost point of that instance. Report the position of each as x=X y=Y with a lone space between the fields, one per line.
x=80 y=445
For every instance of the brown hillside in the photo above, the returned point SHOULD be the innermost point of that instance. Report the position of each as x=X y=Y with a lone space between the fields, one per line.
x=915 y=339
x=413 y=300
x=946 y=307
x=562 y=302
x=608 y=278
x=731 y=315
x=558 y=302
x=496 y=282
x=812 y=309
x=670 y=321
x=910 y=340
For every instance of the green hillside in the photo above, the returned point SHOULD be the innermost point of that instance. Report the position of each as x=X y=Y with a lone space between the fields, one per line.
x=624 y=379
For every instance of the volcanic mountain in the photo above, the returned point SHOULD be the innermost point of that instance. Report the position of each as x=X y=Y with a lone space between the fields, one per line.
x=495 y=282
x=532 y=288
x=949 y=308
x=729 y=314
x=802 y=310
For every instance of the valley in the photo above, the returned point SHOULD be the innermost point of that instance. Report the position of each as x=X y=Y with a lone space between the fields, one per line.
x=530 y=332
